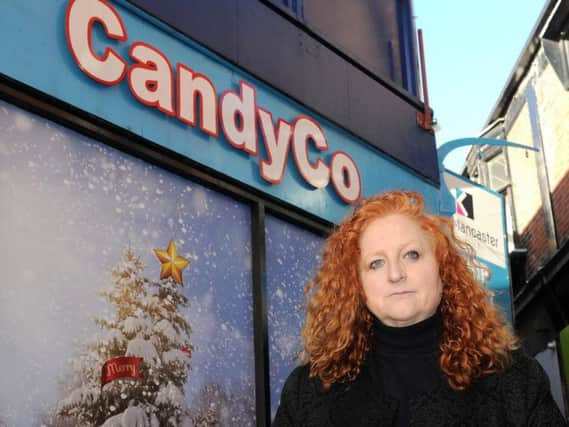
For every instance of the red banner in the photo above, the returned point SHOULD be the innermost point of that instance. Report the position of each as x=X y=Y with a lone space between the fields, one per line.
x=121 y=367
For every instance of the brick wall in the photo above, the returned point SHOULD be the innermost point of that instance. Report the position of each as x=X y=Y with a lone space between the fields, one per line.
x=534 y=239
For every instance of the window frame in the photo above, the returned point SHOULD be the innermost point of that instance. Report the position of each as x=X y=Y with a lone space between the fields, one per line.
x=488 y=161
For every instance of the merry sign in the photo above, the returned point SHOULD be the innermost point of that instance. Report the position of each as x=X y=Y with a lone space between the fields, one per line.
x=121 y=367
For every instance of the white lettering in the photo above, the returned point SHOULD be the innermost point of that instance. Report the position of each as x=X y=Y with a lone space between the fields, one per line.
x=81 y=15
x=242 y=135
x=305 y=129
x=190 y=85
x=345 y=177
x=150 y=80
x=272 y=169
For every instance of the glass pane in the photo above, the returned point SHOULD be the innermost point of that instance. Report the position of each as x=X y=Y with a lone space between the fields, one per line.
x=475 y=175
x=293 y=6
x=498 y=173
x=83 y=287
x=293 y=255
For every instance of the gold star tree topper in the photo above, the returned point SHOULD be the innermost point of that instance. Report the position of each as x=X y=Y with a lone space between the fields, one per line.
x=172 y=263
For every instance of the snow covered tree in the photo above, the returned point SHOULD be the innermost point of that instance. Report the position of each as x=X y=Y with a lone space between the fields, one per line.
x=207 y=409
x=147 y=323
x=215 y=407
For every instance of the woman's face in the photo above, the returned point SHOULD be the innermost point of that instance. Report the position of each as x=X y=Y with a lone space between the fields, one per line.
x=398 y=271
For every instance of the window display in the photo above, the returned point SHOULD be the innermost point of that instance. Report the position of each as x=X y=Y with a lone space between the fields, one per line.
x=126 y=289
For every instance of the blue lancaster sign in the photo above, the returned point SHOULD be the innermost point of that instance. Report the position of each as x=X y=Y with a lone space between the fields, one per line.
x=479 y=220
x=112 y=60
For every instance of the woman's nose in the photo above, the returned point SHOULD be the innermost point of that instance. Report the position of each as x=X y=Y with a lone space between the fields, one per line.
x=396 y=272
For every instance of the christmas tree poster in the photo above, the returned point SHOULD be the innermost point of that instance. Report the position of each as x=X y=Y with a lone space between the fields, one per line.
x=125 y=294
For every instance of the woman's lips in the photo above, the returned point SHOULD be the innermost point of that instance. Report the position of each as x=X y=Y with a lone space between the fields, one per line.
x=401 y=293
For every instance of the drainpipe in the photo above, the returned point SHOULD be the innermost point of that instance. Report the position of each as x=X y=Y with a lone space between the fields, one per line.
x=424 y=118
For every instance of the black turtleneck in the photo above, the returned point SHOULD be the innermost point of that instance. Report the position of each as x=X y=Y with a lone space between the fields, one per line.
x=407 y=358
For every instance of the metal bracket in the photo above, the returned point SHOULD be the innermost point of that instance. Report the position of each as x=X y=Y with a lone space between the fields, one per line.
x=446 y=200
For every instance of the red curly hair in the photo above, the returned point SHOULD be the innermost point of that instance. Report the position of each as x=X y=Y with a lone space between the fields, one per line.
x=475 y=340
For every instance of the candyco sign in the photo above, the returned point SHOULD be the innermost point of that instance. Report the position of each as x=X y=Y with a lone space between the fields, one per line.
x=152 y=82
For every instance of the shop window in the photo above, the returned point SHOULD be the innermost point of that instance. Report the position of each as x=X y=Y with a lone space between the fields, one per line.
x=80 y=220
x=497 y=172
x=406 y=46
x=475 y=176
x=294 y=7
x=293 y=254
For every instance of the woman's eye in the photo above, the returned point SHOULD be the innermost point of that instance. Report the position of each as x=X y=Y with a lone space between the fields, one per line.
x=412 y=255
x=376 y=263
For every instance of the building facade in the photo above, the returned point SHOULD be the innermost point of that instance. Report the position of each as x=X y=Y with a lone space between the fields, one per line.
x=533 y=110
x=168 y=172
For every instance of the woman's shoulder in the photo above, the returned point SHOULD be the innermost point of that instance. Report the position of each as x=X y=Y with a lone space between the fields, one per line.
x=525 y=390
x=523 y=367
x=522 y=373
x=300 y=397
x=300 y=383
x=300 y=373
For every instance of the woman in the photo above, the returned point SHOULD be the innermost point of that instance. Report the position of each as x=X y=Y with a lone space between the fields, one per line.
x=398 y=332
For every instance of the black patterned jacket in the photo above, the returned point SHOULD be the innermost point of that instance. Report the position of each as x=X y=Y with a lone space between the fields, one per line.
x=518 y=396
